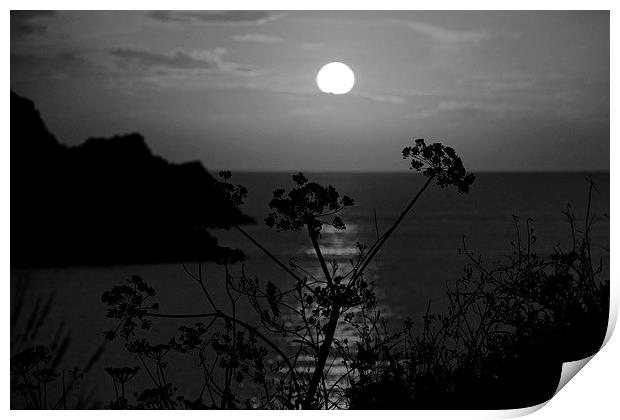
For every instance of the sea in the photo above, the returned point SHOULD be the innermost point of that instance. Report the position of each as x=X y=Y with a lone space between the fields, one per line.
x=415 y=267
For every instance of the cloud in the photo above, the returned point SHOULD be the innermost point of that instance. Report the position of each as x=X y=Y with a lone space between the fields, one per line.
x=323 y=108
x=505 y=81
x=27 y=22
x=178 y=59
x=138 y=69
x=207 y=60
x=238 y=17
x=503 y=85
x=50 y=66
x=470 y=109
x=258 y=38
x=389 y=99
x=313 y=91
x=446 y=36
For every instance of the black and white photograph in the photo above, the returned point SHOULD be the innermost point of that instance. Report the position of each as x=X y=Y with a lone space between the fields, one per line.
x=306 y=209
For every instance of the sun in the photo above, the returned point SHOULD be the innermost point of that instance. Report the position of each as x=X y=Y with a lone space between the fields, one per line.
x=336 y=78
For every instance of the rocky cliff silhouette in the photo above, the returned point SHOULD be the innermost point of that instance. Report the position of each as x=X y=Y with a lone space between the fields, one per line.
x=107 y=201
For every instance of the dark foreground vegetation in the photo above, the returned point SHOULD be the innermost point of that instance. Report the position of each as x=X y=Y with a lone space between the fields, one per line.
x=500 y=344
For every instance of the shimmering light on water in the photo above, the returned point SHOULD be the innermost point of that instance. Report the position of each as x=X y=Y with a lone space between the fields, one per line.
x=413 y=268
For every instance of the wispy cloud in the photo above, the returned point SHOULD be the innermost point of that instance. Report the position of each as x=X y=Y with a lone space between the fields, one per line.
x=533 y=82
x=376 y=97
x=324 y=108
x=177 y=59
x=61 y=65
x=504 y=85
x=444 y=35
x=469 y=109
x=307 y=91
x=28 y=22
x=258 y=38
x=239 y=17
x=313 y=91
x=206 y=60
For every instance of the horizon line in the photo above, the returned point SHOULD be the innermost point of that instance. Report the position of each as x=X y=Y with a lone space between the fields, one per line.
x=374 y=171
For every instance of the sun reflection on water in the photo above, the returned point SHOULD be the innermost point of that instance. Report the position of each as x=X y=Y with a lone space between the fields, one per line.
x=340 y=247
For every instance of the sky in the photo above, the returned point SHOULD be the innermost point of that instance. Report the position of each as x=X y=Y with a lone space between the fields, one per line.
x=509 y=90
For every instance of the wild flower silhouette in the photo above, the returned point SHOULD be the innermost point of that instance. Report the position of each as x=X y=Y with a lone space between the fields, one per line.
x=504 y=324
x=307 y=206
x=318 y=303
x=441 y=163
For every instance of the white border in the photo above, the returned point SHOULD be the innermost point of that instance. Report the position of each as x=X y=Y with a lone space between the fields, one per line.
x=592 y=394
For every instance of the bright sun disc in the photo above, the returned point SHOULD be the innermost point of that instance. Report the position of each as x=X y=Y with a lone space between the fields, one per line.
x=336 y=78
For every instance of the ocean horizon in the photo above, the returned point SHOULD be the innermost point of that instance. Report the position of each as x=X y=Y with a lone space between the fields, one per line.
x=416 y=266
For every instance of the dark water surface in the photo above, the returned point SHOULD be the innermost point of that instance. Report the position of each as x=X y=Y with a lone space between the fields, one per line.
x=412 y=268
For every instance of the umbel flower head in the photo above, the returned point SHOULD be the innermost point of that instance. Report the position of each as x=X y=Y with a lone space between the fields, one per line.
x=439 y=162
x=235 y=194
x=306 y=205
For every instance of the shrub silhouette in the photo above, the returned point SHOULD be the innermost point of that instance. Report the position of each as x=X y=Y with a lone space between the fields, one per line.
x=505 y=335
x=319 y=304
x=503 y=326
